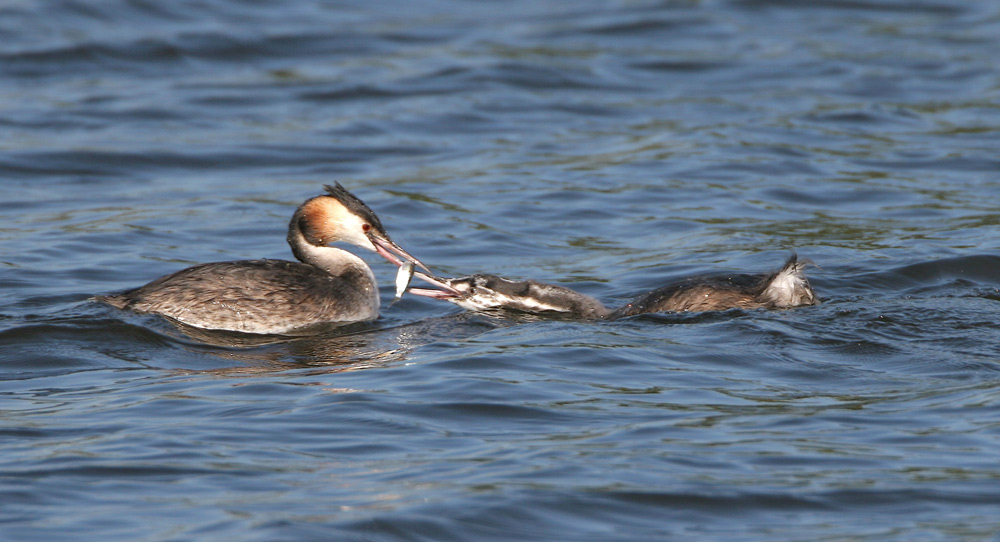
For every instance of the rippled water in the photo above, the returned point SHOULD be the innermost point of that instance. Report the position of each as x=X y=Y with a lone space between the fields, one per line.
x=608 y=146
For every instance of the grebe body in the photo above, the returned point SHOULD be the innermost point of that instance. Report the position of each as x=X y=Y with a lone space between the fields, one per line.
x=327 y=284
x=786 y=288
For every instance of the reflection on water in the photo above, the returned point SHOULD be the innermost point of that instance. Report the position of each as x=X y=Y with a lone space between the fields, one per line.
x=330 y=348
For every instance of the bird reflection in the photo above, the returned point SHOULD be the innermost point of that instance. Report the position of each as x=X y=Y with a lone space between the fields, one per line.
x=325 y=349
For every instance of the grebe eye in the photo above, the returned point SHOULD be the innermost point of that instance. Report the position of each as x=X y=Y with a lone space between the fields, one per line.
x=366 y=227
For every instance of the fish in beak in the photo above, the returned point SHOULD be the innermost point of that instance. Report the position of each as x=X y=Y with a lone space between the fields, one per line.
x=392 y=252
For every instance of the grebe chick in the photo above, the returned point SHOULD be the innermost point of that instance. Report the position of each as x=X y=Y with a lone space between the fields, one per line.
x=490 y=292
x=327 y=284
x=785 y=288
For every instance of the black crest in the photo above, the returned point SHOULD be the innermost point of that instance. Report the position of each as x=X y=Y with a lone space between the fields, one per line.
x=354 y=205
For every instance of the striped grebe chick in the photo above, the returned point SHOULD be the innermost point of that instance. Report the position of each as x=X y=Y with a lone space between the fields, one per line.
x=490 y=293
x=267 y=296
x=785 y=288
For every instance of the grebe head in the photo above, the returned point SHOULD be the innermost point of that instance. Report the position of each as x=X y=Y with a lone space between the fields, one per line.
x=339 y=215
x=475 y=292
x=490 y=292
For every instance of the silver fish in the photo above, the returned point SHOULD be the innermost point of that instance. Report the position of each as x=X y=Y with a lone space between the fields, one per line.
x=403 y=278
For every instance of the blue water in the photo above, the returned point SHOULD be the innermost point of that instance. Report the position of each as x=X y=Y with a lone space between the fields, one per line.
x=608 y=146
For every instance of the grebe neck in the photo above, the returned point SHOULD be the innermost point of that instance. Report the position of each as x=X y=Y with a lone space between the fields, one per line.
x=334 y=261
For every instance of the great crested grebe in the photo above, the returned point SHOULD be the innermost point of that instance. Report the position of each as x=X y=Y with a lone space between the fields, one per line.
x=785 y=288
x=327 y=284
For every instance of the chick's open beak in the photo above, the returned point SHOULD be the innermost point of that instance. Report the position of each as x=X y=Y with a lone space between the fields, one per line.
x=445 y=291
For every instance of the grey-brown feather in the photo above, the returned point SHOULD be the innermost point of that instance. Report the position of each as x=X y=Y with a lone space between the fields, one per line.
x=255 y=296
x=785 y=288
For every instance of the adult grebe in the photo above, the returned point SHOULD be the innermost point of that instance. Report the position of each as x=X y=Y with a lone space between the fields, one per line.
x=785 y=288
x=277 y=296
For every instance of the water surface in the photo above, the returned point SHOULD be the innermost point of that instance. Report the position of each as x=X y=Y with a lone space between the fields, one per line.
x=608 y=146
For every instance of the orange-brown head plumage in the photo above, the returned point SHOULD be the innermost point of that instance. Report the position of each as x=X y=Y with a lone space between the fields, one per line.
x=338 y=216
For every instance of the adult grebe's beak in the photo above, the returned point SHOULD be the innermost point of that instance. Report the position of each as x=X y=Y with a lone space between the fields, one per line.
x=392 y=252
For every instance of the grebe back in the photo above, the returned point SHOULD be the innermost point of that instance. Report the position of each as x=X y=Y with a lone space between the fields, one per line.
x=783 y=289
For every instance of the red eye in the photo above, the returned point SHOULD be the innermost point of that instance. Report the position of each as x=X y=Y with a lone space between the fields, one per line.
x=366 y=227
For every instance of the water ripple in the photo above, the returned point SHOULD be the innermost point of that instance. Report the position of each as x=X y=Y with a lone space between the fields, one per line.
x=609 y=147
